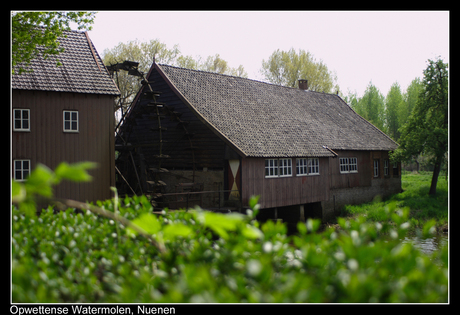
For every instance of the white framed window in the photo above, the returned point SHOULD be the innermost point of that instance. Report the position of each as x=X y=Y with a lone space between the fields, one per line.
x=307 y=166
x=21 y=119
x=348 y=165
x=285 y=167
x=21 y=169
x=386 y=167
x=376 y=168
x=271 y=168
x=301 y=167
x=353 y=165
x=313 y=166
x=70 y=121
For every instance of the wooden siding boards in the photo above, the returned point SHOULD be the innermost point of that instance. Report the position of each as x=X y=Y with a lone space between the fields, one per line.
x=207 y=147
x=47 y=143
x=283 y=191
x=349 y=180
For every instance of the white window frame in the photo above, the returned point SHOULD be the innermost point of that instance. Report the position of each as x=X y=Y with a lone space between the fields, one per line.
x=71 y=120
x=348 y=165
x=21 y=119
x=307 y=166
x=301 y=167
x=271 y=168
x=313 y=166
x=285 y=167
x=343 y=165
x=376 y=168
x=353 y=165
x=24 y=171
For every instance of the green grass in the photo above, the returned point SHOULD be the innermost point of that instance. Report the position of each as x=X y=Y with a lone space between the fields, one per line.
x=423 y=207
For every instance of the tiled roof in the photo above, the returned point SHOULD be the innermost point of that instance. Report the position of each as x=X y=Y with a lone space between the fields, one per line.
x=267 y=120
x=80 y=72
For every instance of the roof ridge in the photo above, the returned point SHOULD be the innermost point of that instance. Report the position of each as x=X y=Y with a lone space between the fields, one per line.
x=238 y=77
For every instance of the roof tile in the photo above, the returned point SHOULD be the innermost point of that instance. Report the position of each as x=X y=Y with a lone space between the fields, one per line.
x=80 y=72
x=267 y=120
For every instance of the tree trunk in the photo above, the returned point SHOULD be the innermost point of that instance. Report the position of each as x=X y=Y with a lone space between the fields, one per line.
x=434 y=179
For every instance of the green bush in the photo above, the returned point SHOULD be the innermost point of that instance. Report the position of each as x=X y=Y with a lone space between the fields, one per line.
x=199 y=256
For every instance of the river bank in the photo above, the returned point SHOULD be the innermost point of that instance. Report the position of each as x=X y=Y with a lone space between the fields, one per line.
x=422 y=207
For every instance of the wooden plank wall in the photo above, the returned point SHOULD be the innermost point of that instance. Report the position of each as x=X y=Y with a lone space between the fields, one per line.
x=361 y=179
x=208 y=148
x=48 y=144
x=283 y=191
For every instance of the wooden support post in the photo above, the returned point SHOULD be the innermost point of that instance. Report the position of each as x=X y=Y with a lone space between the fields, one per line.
x=302 y=213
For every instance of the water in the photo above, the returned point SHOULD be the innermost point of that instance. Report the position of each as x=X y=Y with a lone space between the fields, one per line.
x=428 y=245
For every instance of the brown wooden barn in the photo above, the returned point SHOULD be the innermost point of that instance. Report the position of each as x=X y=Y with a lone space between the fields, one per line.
x=195 y=137
x=66 y=113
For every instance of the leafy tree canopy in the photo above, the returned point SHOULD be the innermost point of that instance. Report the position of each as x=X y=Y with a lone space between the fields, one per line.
x=286 y=67
x=426 y=131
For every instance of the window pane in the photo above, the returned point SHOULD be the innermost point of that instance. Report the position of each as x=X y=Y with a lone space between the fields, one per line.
x=25 y=165
x=74 y=125
x=17 y=113
x=17 y=165
x=67 y=125
x=25 y=124
x=18 y=175
x=67 y=115
x=74 y=115
x=25 y=114
x=17 y=124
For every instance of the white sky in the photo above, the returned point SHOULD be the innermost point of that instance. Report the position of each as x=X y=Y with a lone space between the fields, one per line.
x=359 y=46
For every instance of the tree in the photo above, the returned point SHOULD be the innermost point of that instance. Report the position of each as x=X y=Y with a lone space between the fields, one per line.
x=211 y=64
x=140 y=52
x=410 y=99
x=371 y=106
x=32 y=29
x=144 y=52
x=393 y=106
x=426 y=131
x=286 y=67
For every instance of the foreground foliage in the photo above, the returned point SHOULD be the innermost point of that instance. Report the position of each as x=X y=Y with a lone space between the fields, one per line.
x=199 y=256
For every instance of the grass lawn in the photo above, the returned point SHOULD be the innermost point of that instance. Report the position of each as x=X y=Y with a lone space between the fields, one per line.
x=415 y=196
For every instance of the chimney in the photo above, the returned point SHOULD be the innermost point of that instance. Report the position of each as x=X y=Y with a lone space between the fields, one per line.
x=303 y=84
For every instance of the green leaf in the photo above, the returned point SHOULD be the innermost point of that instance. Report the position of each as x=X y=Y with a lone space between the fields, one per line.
x=220 y=223
x=252 y=232
x=176 y=230
x=18 y=192
x=253 y=202
x=148 y=222
x=75 y=172
x=313 y=225
x=40 y=181
x=429 y=228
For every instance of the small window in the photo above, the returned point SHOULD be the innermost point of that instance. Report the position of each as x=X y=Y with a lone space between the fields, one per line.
x=271 y=168
x=386 y=167
x=313 y=166
x=301 y=167
x=21 y=169
x=353 y=165
x=376 y=168
x=21 y=120
x=285 y=167
x=344 y=165
x=70 y=121
x=348 y=165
